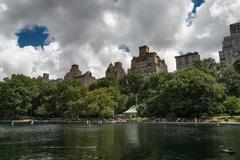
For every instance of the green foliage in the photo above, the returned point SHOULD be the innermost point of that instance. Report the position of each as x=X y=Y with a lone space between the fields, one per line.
x=68 y=93
x=231 y=79
x=236 y=65
x=208 y=65
x=232 y=105
x=17 y=95
x=23 y=96
x=46 y=102
x=133 y=87
x=191 y=93
x=104 y=102
x=104 y=82
x=201 y=91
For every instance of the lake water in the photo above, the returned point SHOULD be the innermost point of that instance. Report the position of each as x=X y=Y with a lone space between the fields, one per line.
x=118 y=142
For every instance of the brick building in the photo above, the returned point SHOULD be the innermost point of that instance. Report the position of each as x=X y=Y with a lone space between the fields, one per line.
x=187 y=60
x=75 y=74
x=231 y=46
x=115 y=71
x=86 y=79
x=44 y=78
x=147 y=63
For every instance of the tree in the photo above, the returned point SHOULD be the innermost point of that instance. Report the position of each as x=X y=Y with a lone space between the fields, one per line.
x=61 y=99
x=46 y=103
x=68 y=93
x=153 y=89
x=19 y=92
x=191 y=93
x=202 y=94
x=208 y=65
x=104 y=102
x=104 y=82
x=132 y=86
x=9 y=99
x=232 y=105
x=236 y=65
x=231 y=79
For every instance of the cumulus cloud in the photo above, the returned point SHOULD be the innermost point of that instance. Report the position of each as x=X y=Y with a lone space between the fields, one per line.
x=89 y=33
x=192 y=15
x=28 y=60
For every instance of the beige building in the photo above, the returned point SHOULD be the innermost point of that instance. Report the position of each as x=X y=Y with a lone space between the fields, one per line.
x=147 y=63
x=231 y=46
x=75 y=74
x=86 y=79
x=115 y=71
x=187 y=60
x=44 y=78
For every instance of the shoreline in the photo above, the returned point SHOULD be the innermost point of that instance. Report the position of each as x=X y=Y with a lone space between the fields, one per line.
x=32 y=122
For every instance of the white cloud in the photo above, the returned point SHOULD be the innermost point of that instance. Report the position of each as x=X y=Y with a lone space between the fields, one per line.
x=89 y=32
x=110 y=19
x=3 y=7
x=27 y=60
x=227 y=11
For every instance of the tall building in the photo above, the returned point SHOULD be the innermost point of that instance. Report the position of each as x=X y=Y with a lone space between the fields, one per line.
x=231 y=46
x=86 y=79
x=187 y=60
x=147 y=63
x=75 y=74
x=44 y=78
x=115 y=71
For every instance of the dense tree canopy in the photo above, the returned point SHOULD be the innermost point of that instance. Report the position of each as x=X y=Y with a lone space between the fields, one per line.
x=17 y=95
x=231 y=79
x=206 y=89
x=191 y=93
x=133 y=87
x=232 y=105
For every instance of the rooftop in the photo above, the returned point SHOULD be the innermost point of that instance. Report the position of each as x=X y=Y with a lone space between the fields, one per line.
x=188 y=54
x=132 y=109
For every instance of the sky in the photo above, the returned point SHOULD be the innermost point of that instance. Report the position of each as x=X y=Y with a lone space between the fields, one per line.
x=38 y=36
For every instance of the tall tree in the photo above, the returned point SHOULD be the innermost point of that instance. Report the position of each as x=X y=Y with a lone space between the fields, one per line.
x=68 y=92
x=104 y=102
x=133 y=85
x=232 y=105
x=236 y=65
x=231 y=79
x=191 y=93
x=104 y=82
x=208 y=65
x=19 y=92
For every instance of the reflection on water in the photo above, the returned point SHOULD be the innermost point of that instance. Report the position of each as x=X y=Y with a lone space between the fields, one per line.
x=117 y=142
x=131 y=132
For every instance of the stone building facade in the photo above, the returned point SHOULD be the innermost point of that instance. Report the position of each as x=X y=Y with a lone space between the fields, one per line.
x=231 y=46
x=75 y=74
x=115 y=71
x=44 y=78
x=187 y=60
x=58 y=80
x=86 y=79
x=147 y=63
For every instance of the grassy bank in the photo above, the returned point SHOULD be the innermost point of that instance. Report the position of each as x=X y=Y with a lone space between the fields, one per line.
x=222 y=118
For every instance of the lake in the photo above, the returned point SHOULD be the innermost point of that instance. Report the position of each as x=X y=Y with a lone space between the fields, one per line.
x=118 y=142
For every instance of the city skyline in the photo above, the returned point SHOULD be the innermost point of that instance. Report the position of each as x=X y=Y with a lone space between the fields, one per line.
x=93 y=34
